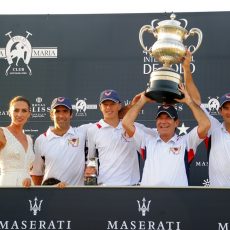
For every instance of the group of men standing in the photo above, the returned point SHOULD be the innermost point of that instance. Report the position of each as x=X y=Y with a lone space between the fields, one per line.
x=60 y=156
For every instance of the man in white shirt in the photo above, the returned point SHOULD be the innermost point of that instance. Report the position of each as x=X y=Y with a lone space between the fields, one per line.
x=218 y=140
x=60 y=151
x=117 y=155
x=168 y=156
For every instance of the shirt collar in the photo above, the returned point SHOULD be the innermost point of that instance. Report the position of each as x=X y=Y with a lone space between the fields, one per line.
x=104 y=124
x=50 y=135
x=223 y=127
x=173 y=139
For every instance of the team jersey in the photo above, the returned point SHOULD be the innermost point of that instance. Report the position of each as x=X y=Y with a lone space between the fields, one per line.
x=166 y=164
x=218 y=144
x=61 y=157
x=118 y=158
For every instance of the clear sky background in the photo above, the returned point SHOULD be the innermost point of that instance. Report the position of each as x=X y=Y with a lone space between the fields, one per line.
x=108 y=6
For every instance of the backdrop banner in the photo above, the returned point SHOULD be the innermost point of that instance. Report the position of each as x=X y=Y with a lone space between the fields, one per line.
x=78 y=56
x=115 y=208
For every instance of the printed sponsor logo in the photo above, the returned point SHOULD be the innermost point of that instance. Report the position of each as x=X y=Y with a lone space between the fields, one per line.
x=143 y=224
x=81 y=107
x=35 y=207
x=18 y=53
x=213 y=105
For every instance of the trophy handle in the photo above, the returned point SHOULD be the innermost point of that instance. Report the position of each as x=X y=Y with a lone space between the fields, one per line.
x=185 y=22
x=192 y=32
x=152 y=23
x=143 y=29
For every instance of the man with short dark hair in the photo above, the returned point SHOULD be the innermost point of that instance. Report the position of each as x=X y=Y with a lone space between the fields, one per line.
x=219 y=145
x=168 y=156
x=60 y=151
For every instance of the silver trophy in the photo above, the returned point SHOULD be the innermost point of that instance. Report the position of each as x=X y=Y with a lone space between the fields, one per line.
x=168 y=49
x=92 y=178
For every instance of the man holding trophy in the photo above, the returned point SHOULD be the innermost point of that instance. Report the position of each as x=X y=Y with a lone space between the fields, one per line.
x=168 y=156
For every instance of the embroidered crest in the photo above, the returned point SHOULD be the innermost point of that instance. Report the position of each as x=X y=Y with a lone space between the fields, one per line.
x=175 y=150
x=108 y=93
x=74 y=142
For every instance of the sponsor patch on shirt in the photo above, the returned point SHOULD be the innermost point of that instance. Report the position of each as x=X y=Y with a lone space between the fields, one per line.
x=175 y=150
x=74 y=142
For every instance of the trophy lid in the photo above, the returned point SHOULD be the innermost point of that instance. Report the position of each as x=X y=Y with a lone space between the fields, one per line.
x=171 y=22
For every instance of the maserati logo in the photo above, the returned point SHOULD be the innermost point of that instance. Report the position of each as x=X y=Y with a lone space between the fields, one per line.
x=35 y=207
x=143 y=208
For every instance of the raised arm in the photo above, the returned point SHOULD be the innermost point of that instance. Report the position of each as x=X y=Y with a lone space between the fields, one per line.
x=132 y=114
x=189 y=83
x=126 y=108
x=200 y=116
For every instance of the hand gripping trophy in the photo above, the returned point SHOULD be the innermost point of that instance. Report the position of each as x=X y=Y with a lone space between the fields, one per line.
x=92 y=167
x=169 y=50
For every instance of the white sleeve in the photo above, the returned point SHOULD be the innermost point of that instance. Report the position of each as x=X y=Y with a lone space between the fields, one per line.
x=38 y=165
x=84 y=128
x=193 y=140
x=91 y=143
x=142 y=134
x=150 y=131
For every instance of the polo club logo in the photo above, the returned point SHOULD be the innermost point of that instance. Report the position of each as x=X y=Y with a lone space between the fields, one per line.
x=18 y=53
x=18 y=47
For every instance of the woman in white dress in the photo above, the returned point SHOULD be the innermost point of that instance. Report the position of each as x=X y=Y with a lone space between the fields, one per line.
x=16 y=148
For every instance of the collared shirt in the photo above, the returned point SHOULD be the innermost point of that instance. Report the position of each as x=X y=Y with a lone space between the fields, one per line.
x=61 y=157
x=167 y=163
x=219 y=155
x=118 y=158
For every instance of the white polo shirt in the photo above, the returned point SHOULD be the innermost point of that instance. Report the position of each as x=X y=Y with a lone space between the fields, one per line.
x=64 y=156
x=219 y=155
x=118 y=158
x=166 y=164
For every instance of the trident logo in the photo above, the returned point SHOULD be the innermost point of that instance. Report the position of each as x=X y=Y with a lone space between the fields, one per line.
x=35 y=208
x=143 y=208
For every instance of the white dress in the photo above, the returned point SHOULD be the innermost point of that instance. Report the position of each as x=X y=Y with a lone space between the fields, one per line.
x=15 y=162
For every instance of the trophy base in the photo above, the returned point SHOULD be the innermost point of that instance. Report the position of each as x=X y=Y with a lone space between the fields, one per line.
x=90 y=180
x=163 y=86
